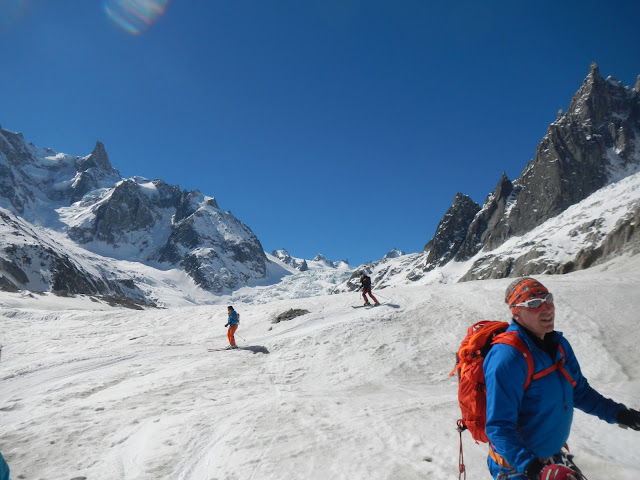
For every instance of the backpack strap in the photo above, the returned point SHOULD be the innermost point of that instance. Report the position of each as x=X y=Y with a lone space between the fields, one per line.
x=557 y=366
x=564 y=370
x=512 y=338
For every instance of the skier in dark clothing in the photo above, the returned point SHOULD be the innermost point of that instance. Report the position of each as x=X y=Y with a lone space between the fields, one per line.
x=365 y=282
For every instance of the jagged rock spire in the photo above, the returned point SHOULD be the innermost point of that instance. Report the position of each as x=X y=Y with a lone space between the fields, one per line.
x=451 y=230
x=97 y=159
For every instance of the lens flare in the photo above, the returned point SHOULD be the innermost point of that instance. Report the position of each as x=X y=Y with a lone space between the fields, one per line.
x=135 y=16
x=10 y=13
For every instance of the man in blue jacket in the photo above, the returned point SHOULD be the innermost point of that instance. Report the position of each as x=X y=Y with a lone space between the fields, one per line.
x=529 y=428
x=4 y=469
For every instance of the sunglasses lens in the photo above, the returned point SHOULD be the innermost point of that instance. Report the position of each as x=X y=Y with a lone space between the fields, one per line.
x=537 y=302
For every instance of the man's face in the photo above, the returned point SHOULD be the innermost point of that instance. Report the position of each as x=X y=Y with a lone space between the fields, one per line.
x=539 y=321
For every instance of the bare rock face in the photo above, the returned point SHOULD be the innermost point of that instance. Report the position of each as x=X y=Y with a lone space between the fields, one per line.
x=563 y=195
x=596 y=142
x=452 y=231
x=91 y=171
x=31 y=260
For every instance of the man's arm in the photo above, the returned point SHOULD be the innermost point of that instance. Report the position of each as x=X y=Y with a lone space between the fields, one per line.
x=505 y=371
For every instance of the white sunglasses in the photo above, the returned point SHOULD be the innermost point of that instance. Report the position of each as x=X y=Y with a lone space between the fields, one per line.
x=535 y=302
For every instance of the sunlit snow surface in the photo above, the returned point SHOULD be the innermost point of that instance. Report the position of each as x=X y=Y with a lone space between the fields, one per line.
x=104 y=393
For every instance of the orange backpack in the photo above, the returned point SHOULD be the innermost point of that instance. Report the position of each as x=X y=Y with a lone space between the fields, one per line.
x=481 y=336
x=471 y=388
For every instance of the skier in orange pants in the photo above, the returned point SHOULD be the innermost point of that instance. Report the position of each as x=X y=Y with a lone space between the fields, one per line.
x=232 y=323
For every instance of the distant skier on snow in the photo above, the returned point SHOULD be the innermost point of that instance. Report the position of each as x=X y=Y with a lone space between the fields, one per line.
x=365 y=282
x=232 y=324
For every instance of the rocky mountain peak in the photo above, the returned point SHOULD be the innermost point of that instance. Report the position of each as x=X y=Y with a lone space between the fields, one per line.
x=502 y=191
x=451 y=231
x=286 y=258
x=489 y=227
x=600 y=100
x=394 y=253
x=98 y=159
x=597 y=142
x=135 y=220
x=12 y=145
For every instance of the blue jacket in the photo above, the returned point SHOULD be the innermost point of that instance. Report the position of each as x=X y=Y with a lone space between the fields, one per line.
x=523 y=425
x=233 y=318
x=4 y=469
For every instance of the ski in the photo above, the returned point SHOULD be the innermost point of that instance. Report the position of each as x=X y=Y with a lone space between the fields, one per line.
x=366 y=306
x=221 y=349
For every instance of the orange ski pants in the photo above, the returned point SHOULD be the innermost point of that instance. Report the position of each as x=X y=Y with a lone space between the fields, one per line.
x=230 y=332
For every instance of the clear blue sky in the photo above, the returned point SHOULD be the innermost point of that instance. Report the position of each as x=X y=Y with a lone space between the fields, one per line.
x=337 y=126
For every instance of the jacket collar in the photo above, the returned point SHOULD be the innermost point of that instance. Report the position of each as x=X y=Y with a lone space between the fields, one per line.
x=549 y=344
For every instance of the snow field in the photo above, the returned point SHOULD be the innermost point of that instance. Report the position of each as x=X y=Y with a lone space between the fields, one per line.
x=340 y=393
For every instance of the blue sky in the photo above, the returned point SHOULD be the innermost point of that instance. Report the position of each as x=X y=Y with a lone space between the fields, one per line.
x=344 y=127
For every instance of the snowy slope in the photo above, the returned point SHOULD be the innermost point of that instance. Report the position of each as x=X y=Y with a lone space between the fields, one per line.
x=90 y=391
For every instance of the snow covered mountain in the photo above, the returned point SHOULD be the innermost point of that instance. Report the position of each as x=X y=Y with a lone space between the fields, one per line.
x=575 y=204
x=596 y=142
x=73 y=225
x=319 y=261
x=603 y=226
x=115 y=221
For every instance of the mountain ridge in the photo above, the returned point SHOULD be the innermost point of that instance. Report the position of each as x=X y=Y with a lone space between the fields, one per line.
x=133 y=219
x=594 y=144
x=74 y=225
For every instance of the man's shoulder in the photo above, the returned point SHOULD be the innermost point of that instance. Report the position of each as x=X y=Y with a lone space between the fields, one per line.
x=504 y=357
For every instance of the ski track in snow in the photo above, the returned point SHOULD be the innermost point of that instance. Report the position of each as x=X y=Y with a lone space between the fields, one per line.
x=338 y=393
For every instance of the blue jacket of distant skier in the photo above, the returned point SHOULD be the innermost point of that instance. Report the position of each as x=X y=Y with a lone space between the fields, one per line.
x=523 y=425
x=233 y=318
x=4 y=469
